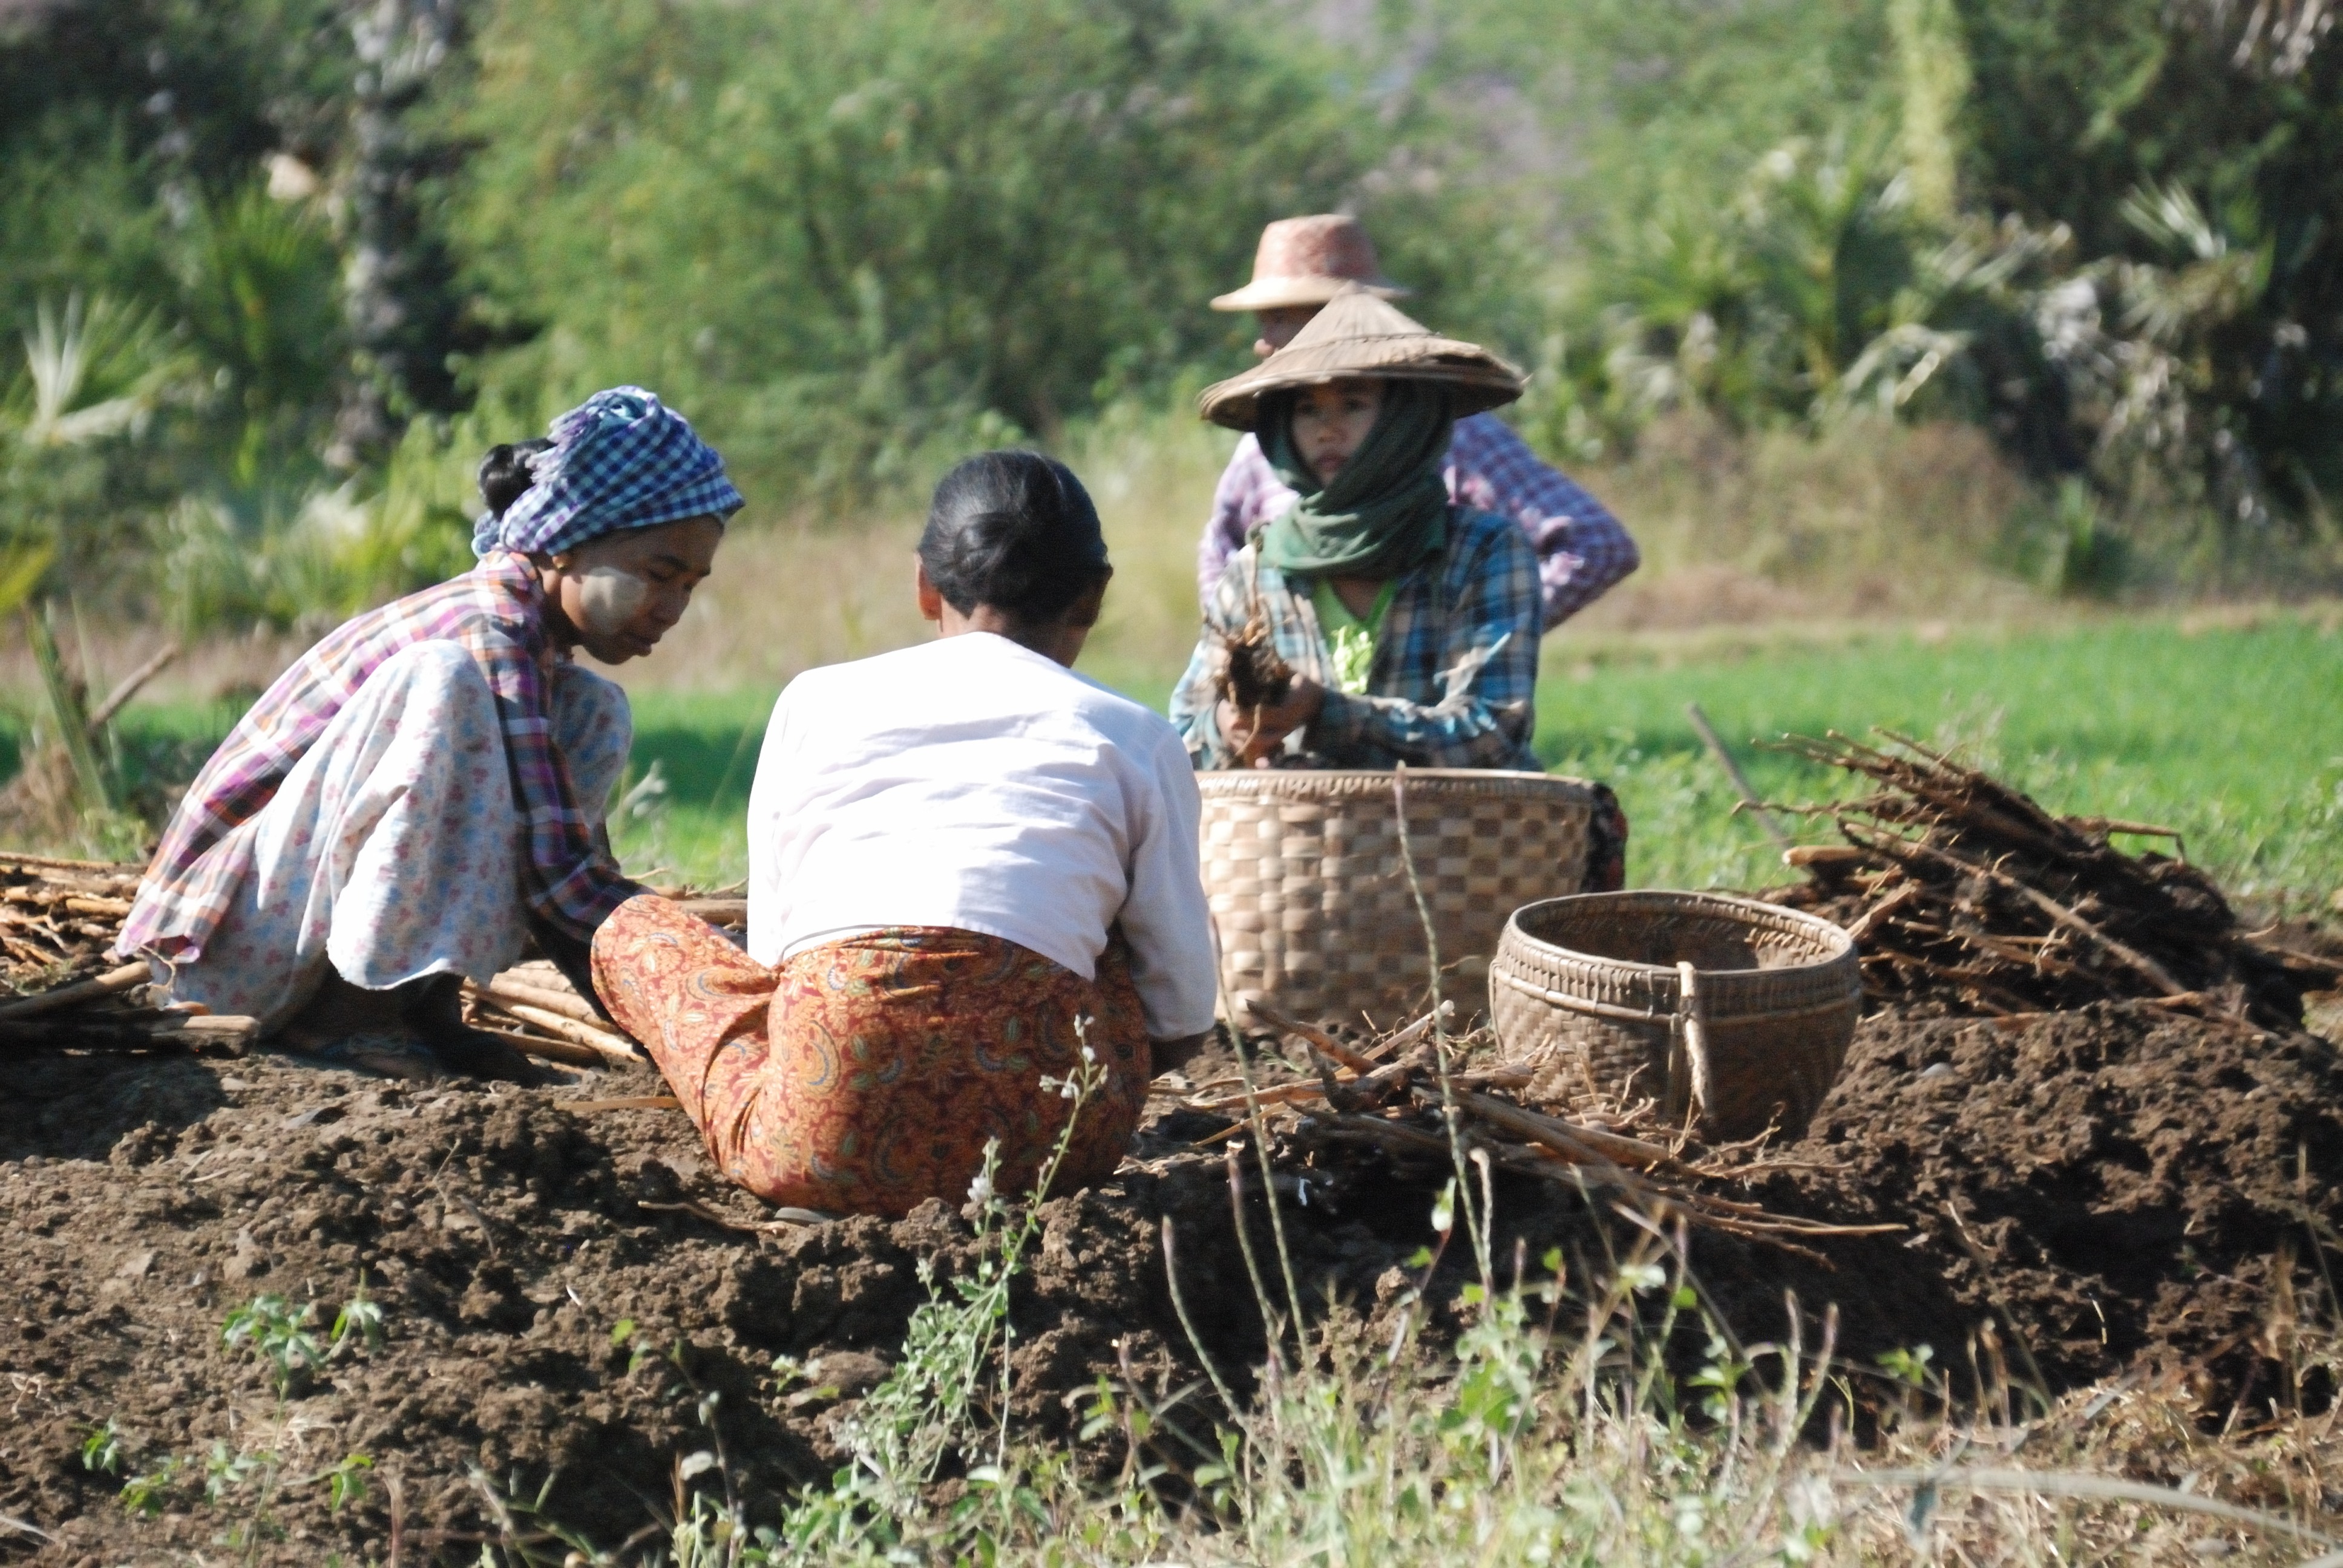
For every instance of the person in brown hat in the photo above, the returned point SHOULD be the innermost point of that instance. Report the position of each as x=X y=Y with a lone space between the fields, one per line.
x=1410 y=621
x=1302 y=263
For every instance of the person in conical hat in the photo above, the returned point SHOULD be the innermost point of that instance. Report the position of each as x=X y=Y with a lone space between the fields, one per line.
x=1411 y=622
x=1302 y=264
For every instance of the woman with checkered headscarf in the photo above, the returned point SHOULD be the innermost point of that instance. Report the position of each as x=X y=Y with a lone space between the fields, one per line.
x=426 y=788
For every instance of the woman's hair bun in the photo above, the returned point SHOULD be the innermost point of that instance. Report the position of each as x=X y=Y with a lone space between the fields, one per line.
x=505 y=473
x=1014 y=531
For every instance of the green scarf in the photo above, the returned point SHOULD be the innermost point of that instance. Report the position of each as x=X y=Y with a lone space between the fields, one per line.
x=1388 y=506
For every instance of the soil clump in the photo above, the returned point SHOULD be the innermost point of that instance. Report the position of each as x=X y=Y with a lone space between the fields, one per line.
x=2115 y=1189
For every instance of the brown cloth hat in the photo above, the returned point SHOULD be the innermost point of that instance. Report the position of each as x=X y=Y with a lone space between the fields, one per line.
x=1307 y=261
x=1360 y=336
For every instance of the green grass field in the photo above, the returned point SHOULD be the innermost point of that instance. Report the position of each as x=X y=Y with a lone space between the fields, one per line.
x=2229 y=734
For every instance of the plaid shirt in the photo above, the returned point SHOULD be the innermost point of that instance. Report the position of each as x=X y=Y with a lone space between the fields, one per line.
x=1582 y=550
x=495 y=612
x=1455 y=659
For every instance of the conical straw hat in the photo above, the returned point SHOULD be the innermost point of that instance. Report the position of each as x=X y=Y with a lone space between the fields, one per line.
x=1359 y=336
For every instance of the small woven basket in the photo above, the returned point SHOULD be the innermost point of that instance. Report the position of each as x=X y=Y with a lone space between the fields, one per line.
x=1309 y=896
x=1589 y=989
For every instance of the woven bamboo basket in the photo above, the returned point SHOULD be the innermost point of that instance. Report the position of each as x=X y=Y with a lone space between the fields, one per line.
x=1590 y=988
x=1310 y=898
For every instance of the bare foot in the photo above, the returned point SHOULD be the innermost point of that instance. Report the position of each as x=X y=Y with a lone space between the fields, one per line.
x=436 y=1013
x=351 y=1026
x=384 y=1052
x=412 y=1030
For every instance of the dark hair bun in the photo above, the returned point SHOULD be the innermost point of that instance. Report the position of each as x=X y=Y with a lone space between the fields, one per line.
x=1014 y=531
x=504 y=473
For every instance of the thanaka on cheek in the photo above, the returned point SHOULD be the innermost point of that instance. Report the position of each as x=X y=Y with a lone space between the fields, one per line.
x=609 y=598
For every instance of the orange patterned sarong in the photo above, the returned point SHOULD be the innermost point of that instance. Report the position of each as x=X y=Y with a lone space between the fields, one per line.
x=866 y=1076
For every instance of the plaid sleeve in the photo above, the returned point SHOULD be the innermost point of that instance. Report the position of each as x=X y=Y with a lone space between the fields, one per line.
x=1481 y=657
x=1248 y=491
x=1581 y=550
x=1195 y=700
x=571 y=881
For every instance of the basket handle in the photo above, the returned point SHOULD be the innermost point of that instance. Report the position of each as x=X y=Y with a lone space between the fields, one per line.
x=1691 y=1028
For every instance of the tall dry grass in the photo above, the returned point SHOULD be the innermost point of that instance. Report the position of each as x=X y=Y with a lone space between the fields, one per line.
x=819 y=589
x=1870 y=523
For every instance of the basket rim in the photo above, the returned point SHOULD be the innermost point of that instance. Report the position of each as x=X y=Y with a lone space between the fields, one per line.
x=1329 y=780
x=1842 y=945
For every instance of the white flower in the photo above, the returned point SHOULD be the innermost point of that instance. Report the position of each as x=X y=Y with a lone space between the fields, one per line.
x=979 y=1191
x=1089 y=1055
x=1066 y=1091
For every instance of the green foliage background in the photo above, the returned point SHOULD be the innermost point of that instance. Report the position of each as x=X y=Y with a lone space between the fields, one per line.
x=327 y=250
x=850 y=235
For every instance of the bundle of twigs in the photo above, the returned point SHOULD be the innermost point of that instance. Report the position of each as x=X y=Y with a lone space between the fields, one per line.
x=533 y=1005
x=59 y=918
x=1964 y=894
x=1394 y=1097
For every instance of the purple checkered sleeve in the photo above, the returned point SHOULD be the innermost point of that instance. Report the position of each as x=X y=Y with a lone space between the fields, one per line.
x=496 y=613
x=1581 y=550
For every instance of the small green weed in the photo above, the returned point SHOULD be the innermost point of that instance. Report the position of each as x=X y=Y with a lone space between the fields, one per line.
x=145 y=1494
x=284 y=1337
x=360 y=1321
x=248 y=1480
x=227 y=1470
x=346 y=1483
x=101 y=1450
x=1907 y=1367
x=919 y=1413
x=279 y=1334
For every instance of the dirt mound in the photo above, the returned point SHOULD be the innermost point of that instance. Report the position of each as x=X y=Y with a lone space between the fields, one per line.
x=560 y=1289
x=2118 y=1186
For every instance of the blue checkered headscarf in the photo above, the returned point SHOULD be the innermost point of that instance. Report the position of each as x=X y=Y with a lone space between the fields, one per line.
x=622 y=459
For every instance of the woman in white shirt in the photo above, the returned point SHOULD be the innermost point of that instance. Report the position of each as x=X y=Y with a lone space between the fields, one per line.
x=970 y=869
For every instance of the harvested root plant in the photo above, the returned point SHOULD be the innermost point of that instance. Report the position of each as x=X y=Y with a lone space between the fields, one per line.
x=1967 y=896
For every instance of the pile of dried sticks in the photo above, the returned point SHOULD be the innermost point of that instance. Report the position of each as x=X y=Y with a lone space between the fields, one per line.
x=533 y=1005
x=1393 y=1096
x=1965 y=895
x=59 y=918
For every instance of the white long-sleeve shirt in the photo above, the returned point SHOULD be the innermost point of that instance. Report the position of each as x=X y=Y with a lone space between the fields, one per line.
x=973 y=783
